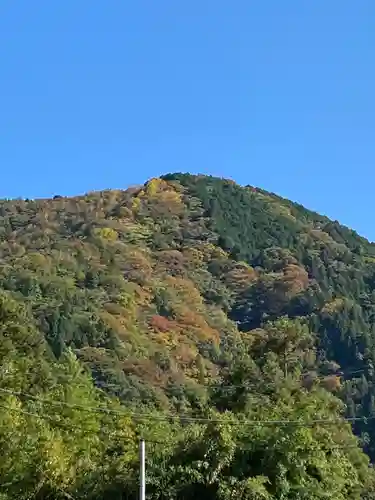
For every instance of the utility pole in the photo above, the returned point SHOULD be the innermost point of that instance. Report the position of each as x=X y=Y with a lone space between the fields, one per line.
x=142 y=470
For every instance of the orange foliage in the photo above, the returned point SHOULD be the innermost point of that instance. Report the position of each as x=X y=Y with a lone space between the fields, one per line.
x=293 y=280
x=161 y=324
x=331 y=383
x=145 y=369
x=137 y=267
x=172 y=261
x=189 y=321
x=241 y=276
x=185 y=354
x=183 y=292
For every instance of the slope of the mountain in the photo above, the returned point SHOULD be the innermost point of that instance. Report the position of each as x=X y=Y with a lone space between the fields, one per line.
x=188 y=296
x=307 y=266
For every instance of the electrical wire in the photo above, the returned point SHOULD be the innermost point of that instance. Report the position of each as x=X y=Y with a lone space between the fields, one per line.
x=188 y=418
x=163 y=443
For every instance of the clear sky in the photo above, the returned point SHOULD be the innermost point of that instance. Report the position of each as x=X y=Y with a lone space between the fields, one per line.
x=274 y=93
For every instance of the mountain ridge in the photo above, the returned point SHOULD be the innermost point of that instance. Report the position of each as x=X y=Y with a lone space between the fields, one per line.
x=194 y=296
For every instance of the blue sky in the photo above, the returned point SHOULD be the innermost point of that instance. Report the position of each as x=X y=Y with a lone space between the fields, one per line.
x=277 y=94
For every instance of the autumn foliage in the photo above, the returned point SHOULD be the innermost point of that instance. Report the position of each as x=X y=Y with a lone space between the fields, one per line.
x=180 y=311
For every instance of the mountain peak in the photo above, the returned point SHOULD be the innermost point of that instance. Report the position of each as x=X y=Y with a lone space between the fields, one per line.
x=189 y=295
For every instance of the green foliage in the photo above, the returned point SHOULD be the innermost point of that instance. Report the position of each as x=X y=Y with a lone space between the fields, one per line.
x=308 y=267
x=191 y=312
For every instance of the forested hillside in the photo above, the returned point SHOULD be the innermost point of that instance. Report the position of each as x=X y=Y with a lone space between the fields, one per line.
x=231 y=329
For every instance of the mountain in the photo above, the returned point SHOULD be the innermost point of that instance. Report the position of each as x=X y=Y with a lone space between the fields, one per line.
x=230 y=328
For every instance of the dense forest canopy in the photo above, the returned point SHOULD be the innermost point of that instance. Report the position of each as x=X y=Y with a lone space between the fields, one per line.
x=231 y=329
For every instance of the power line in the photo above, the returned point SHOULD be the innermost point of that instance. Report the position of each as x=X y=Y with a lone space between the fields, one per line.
x=24 y=412
x=151 y=441
x=61 y=403
x=120 y=412
x=163 y=443
x=188 y=418
x=329 y=448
